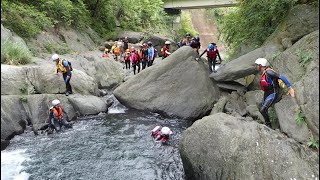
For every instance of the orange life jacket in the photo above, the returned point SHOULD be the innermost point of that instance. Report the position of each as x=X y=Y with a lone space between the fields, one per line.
x=57 y=112
x=116 y=51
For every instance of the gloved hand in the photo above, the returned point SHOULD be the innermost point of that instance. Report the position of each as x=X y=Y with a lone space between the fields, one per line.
x=291 y=92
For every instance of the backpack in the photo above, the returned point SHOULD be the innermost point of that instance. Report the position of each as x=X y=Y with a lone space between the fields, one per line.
x=155 y=52
x=282 y=88
x=69 y=63
x=162 y=51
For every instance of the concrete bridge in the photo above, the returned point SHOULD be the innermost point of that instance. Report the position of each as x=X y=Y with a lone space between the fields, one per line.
x=197 y=4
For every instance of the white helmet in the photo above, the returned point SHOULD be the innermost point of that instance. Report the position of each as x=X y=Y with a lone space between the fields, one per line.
x=261 y=61
x=167 y=42
x=55 y=102
x=166 y=131
x=55 y=57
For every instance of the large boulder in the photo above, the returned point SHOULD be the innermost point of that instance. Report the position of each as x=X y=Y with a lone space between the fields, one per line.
x=13 y=117
x=301 y=20
x=88 y=105
x=287 y=111
x=302 y=58
x=240 y=67
x=64 y=40
x=158 y=42
x=177 y=86
x=221 y=146
x=6 y=34
x=133 y=37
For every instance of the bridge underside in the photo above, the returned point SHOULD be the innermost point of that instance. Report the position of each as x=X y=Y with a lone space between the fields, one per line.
x=198 y=4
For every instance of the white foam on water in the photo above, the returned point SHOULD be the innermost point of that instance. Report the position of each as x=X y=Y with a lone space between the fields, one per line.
x=11 y=165
x=116 y=110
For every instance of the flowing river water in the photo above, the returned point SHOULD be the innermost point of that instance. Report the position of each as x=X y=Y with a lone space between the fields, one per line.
x=113 y=146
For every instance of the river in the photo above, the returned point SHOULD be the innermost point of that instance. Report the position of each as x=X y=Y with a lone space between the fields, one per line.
x=113 y=146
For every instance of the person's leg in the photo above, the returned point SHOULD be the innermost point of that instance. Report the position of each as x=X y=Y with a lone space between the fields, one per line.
x=210 y=65
x=57 y=126
x=138 y=66
x=65 y=123
x=265 y=105
x=214 y=64
x=134 y=68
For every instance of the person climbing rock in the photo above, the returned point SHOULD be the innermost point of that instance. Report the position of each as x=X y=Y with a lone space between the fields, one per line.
x=186 y=41
x=64 y=67
x=269 y=83
x=212 y=53
x=161 y=134
x=165 y=50
x=56 y=120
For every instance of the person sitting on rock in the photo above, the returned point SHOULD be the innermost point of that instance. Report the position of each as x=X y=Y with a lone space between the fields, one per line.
x=212 y=53
x=56 y=120
x=161 y=134
x=270 y=85
x=64 y=67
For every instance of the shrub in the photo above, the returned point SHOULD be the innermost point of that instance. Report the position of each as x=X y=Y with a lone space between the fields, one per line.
x=313 y=143
x=300 y=119
x=53 y=47
x=304 y=57
x=14 y=53
x=23 y=99
x=23 y=19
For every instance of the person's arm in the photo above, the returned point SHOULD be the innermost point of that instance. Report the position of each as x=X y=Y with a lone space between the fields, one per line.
x=152 y=53
x=219 y=55
x=283 y=78
x=203 y=53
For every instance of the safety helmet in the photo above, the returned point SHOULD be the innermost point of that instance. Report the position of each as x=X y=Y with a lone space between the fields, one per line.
x=211 y=47
x=55 y=102
x=55 y=57
x=106 y=50
x=261 y=61
x=188 y=34
x=166 y=131
x=144 y=44
x=149 y=43
x=193 y=38
x=197 y=38
x=132 y=48
x=167 y=43
x=127 y=50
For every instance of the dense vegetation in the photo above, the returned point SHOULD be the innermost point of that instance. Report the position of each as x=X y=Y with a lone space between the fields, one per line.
x=252 y=21
x=13 y=53
x=29 y=17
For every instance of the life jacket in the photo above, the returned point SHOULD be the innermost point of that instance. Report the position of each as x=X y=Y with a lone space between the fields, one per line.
x=60 y=67
x=212 y=54
x=140 y=54
x=57 y=112
x=163 y=51
x=134 y=57
x=116 y=51
x=127 y=56
x=266 y=81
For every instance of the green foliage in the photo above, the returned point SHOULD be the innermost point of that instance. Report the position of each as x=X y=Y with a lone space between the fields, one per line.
x=53 y=47
x=23 y=98
x=304 y=57
x=300 y=119
x=23 y=19
x=186 y=25
x=313 y=143
x=14 y=53
x=272 y=114
x=252 y=21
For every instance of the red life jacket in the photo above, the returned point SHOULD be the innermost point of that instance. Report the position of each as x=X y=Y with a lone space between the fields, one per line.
x=265 y=81
x=211 y=54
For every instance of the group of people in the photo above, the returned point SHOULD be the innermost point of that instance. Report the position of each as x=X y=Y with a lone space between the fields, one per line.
x=131 y=57
x=146 y=55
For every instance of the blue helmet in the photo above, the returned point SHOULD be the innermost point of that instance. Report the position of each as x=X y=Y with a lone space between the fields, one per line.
x=210 y=47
